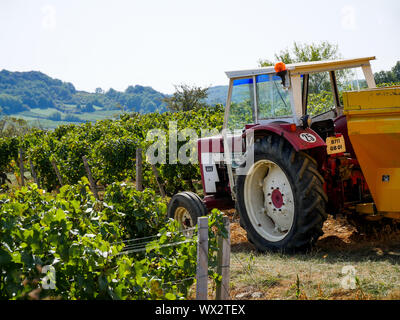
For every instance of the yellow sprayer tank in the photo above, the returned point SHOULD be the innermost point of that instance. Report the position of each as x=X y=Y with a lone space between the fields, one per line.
x=373 y=119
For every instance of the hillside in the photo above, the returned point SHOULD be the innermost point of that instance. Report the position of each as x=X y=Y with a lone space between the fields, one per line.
x=47 y=102
x=35 y=96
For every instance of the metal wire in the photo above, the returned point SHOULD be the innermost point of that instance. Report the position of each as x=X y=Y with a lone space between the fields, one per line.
x=178 y=281
x=155 y=247
x=244 y=267
x=144 y=243
x=154 y=236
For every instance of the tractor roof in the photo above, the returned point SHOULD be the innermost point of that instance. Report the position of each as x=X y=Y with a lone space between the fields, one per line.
x=305 y=67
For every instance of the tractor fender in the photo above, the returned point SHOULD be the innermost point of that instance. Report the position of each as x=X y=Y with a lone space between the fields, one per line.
x=301 y=139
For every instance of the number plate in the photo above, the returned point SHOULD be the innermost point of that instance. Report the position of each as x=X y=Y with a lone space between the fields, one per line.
x=335 y=145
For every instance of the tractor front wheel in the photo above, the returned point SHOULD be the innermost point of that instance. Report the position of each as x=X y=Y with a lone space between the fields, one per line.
x=186 y=207
x=280 y=200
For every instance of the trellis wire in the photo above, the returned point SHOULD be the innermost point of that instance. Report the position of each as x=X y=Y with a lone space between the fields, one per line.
x=154 y=236
x=171 y=283
x=155 y=247
x=244 y=267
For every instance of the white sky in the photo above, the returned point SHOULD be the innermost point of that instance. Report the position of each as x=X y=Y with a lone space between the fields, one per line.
x=159 y=43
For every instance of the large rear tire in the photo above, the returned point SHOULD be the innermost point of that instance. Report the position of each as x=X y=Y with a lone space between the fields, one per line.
x=186 y=207
x=281 y=200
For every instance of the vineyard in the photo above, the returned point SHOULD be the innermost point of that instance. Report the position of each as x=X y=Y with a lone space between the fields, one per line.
x=85 y=240
x=119 y=244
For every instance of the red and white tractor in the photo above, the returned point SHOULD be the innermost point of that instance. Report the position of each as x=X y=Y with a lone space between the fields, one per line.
x=280 y=166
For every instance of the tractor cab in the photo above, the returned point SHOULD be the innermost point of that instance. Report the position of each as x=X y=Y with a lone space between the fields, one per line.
x=282 y=93
x=301 y=101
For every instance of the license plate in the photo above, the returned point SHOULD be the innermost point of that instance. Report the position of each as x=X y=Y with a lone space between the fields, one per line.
x=335 y=145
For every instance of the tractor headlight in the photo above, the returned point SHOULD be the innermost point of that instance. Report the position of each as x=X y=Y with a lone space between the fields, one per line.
x=305 y=121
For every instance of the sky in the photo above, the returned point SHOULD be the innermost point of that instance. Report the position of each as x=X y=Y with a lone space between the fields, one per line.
x=162 y=43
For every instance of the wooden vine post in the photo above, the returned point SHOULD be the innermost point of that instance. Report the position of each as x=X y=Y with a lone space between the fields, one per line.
x=91 y=180
x=35 y=178
x=224 y=258
x=21 y=166
x=54 y=164
x=160 y=185
x=139 y=170
x=202 y=259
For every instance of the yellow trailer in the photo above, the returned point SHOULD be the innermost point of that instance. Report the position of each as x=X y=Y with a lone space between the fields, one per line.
x=373 y=120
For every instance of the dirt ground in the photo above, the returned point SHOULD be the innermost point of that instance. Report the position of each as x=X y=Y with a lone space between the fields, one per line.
x=339 y=235
x=318 y=274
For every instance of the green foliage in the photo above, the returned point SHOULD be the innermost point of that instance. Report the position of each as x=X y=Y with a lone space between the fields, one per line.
x=55 y=116
x=83 y=240
x=11 y=104
x=22 y=91
x=72 y=118
x=144 y=212
x=110 y=147
x=35 y=89
x=13 y=127
x=303 y=52
x=186 y=98
x=66 y=232
x=319 y=102
x=388 y=84
x=387 y=77
x=240 y=115
x=8 y=152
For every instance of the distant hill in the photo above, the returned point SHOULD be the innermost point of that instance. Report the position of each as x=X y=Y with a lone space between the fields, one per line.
x=36 y=97
x=23 y=91
x=217 y=95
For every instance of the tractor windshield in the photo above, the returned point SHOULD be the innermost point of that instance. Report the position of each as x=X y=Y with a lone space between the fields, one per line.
x=242 y=104
x=273 y=100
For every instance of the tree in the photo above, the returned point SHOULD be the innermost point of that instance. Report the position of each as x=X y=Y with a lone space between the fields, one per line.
x=396 y=71
x=11 y=104
x=303 y=52
x=388 y=76
x=11 y=127
x=55 y=116
x=88 y=107
x=186 y=98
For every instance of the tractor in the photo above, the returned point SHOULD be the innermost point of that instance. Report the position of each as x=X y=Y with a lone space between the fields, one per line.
x=284 y=163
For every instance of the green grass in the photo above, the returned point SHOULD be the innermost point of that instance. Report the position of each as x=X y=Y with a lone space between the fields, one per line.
x=41 y=112
x=275 y=275
x=39 y=117
x=318 y=273
x=100 y=115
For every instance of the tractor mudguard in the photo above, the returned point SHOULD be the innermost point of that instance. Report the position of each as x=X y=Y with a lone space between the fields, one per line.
x=301 y=139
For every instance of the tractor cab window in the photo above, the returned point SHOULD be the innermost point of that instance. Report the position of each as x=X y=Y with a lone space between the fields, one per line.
x=322 y=86
x=242 y=104
x=320 y=98
x=350 y=80
x=272 y=99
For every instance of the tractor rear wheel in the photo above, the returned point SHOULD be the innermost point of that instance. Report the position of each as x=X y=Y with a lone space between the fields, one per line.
x=186 y=207
x=280 y=200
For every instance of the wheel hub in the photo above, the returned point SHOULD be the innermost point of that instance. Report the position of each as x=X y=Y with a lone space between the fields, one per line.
x=183 y=216
x=277 y=198
x=274 y=184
